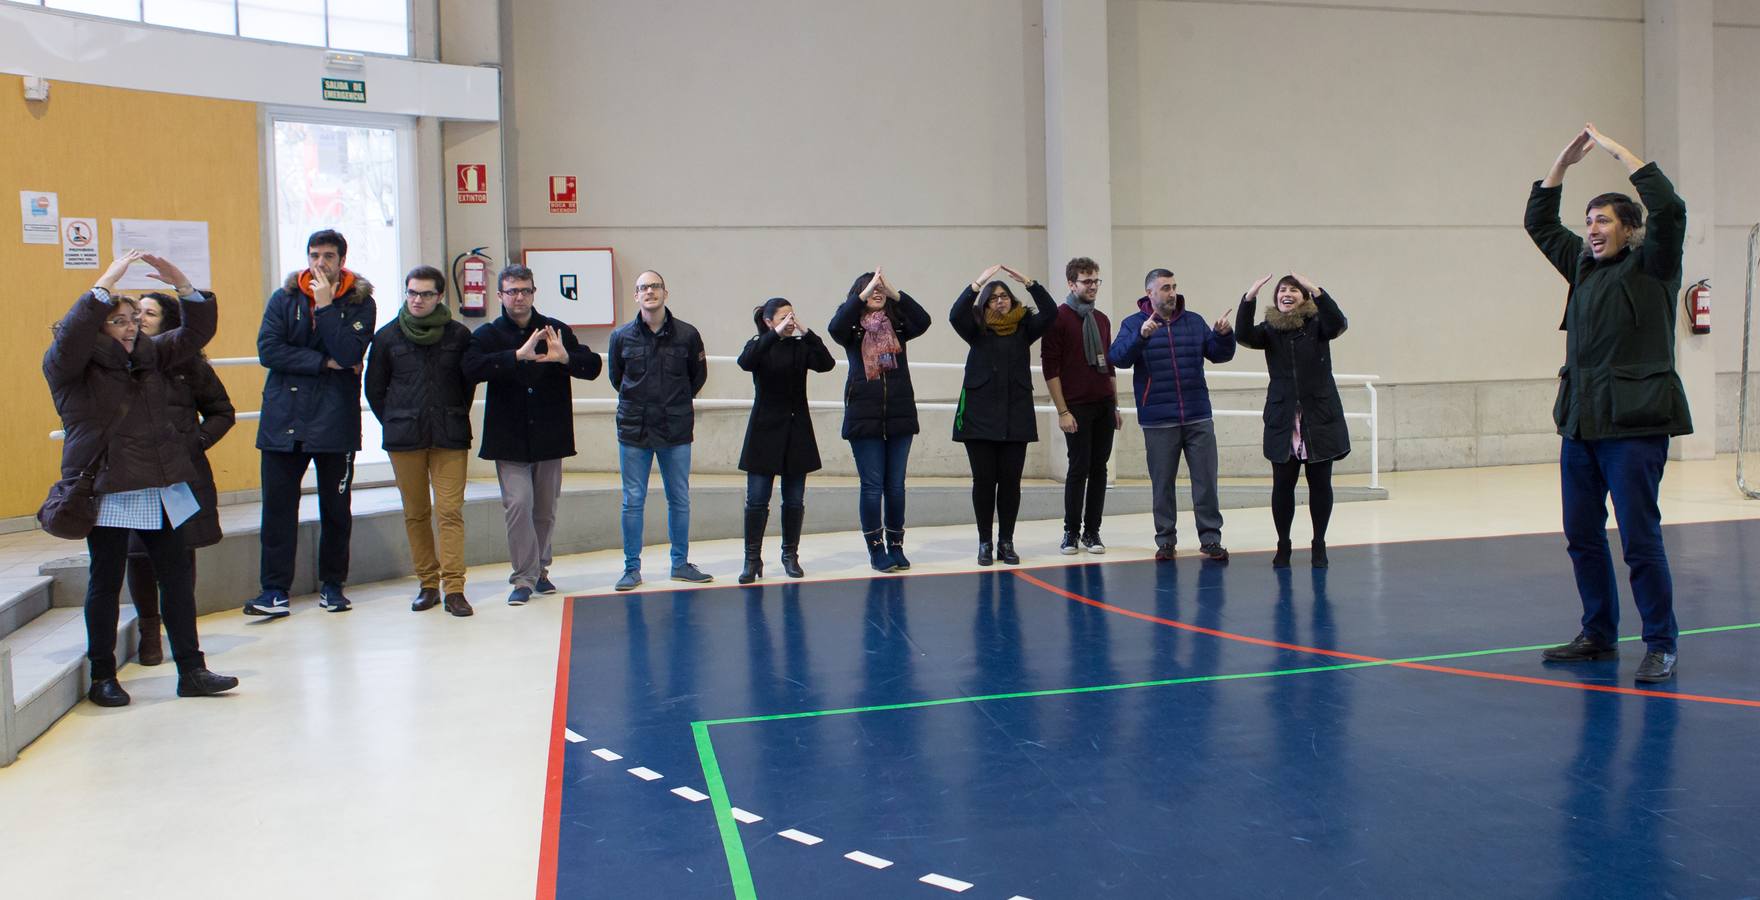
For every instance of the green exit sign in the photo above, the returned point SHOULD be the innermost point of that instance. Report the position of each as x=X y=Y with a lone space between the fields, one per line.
x=344 y=90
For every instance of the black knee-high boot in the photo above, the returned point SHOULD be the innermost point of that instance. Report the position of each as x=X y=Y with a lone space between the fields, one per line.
x=756 y=519
x=791 y=540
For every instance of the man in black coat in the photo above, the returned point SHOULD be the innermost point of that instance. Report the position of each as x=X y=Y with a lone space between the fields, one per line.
x=527 y=359
x=313 y=341
x=657 y=367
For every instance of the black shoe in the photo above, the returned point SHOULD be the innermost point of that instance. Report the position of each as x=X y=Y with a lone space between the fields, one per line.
x=1214 y=550
x=1317 y=558
x=1069 y=547
x=1005 y=552
x=1281 y=559
x=458 y=605
x=203 y=683
x=1583 y=648
x=895 y=548
x=984 y=553
x=426 y=598
x=331 y=597
x=879 y=558
x=1657 y=666
x=544 y=586
x=756 y=519
x=792 y=517
x=108 y=692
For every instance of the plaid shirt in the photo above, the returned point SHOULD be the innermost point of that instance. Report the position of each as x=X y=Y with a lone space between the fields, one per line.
x=147 y=508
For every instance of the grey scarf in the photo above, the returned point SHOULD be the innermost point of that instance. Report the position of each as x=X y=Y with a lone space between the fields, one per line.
x=1092 y=346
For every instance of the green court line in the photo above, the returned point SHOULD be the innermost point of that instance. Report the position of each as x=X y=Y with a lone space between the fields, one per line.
x=740 y=870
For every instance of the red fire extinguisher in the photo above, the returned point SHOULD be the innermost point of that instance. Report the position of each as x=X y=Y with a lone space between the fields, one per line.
x=1699 y=306
x=470 y=279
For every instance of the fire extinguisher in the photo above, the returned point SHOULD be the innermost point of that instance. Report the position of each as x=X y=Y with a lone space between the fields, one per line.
x=1699 y=306
x=470 y=280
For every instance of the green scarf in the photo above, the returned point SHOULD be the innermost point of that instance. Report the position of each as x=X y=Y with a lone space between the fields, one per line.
x=427 y=329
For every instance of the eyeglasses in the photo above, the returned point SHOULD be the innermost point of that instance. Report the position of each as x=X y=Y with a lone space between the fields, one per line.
x=651 y=286
x=1088 y=282
x=421 y=295
x=520 y=292
x=121 y=321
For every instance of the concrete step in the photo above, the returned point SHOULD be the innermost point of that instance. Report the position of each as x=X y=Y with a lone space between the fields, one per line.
x=21 y=600
x=48 y=673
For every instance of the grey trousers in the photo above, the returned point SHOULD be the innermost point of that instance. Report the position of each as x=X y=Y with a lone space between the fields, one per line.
x=529 y=492
x=1163 y=447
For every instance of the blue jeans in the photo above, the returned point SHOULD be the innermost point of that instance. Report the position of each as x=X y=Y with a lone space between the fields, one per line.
x=636 y=463
x=759 y=488
x=881 y=463
x=1631 y=470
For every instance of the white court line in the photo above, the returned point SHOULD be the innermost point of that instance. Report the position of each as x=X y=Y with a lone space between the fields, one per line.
x=745 y=818
x=942 y=881
x=606 y=755
x=571 y=736
x=867 y=859
x=800 y=837
x=1019 y=897
x=645 y=773
x=691 y=794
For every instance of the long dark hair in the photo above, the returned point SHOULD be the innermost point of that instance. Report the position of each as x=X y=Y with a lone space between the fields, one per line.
x=981 y=310
x=170 y=310
x=767 y=310
x=888 y=305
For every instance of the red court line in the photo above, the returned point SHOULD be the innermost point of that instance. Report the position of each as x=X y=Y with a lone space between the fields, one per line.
x=1340 y=654
x=552 y=824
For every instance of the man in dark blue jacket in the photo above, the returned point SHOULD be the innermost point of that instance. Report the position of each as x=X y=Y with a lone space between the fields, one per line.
x=314 y=337
x=1165 y=345
x=528 y=359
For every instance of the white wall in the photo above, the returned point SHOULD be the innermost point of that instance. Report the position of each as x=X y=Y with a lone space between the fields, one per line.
x=1735 y=48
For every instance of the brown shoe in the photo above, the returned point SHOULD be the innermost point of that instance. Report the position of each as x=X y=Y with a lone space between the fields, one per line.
x=458 y=605
x=152 y=649
x=1164 y=553
x=426 y=599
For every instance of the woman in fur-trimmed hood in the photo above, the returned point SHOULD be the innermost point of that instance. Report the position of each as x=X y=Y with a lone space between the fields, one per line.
x=1304 y=418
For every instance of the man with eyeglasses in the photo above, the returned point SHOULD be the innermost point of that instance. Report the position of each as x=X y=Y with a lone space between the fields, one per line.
x=313 y=340
x=416 y=385
x=528 y=359
x=657 y=367
x=1083 y=388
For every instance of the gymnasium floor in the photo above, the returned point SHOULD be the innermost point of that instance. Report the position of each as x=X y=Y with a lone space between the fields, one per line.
x=1070 y=728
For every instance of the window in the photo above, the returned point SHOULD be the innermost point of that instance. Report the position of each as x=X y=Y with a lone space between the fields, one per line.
x=368 y=26
x=213 y=16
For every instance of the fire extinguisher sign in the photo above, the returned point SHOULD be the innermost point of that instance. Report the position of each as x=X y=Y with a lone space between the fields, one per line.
x=562 y=196
x=473 y=183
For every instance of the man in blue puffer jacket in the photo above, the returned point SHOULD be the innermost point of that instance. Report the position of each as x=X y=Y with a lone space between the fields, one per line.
x=1165 y=345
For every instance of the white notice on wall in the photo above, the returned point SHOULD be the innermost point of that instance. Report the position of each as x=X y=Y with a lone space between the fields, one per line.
x=183 y=244
x=79 y=243
x=40 y=212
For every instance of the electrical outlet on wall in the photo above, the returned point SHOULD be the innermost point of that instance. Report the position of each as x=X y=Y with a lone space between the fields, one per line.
x=36 y=88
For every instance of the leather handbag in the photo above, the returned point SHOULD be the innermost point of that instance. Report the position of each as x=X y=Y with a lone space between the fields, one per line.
x=70 y=512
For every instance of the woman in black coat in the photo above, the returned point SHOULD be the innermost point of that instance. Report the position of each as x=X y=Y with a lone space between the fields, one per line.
x=202 y=413
x=109 y=387
x=779 y=436
x=874 y=324
x=995 y=419
x=1304 y=418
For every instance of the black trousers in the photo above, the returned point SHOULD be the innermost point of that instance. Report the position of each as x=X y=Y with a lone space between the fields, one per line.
x=1090 y=449
x=996 y=484
x=280 y=535
x=1283 y=495
x=177 y=599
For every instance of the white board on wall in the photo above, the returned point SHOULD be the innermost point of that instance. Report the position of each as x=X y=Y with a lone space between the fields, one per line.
x=574 y=284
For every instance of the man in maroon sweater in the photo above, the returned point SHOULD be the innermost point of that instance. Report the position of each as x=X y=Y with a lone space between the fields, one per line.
x=1080 y=378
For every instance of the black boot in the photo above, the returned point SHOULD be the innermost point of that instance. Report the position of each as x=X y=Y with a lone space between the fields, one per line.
x=1318 y=559
x=756 y=519
x=1281 y=560
x=895 y=547
x=877 y=555
x=791 y=540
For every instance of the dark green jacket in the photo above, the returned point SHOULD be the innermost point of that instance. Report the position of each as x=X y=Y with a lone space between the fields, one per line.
x=1618 y=378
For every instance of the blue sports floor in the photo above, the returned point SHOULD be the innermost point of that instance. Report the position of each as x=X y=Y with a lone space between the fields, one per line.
x=1381 y=728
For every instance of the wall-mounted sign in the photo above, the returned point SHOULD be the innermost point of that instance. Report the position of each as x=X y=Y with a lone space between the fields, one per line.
x=40 y=212
x=79 y=243
x=345 y=90
x=473 y=183
x=574 y=285
x=562 y=197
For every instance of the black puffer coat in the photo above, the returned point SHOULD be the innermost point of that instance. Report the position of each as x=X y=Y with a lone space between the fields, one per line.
x=883 y=407
x=306 y=402
x=202 y=413
x=420 y=393
x=89 y=376
x=996 y=399
x=779 y=435
x=528 y=413
x=1298 y=355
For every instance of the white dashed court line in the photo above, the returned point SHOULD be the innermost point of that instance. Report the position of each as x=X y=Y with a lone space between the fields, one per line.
x=606 y=755
x=942 y=881
x=691 y=794
x=745 y=818
x=801 y=837
x=571 y=736
x=868 y=859
x=645 y=773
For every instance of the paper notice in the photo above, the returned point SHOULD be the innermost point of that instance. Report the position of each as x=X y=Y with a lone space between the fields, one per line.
x=40 y=212
x=183 y=244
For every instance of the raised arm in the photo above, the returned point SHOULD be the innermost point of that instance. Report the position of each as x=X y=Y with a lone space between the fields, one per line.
x=1040 y=322
x=756 y=349
x=960 y=317
x=582 y=362
x=1559 y=244
x=914 y=320
x=819 y=357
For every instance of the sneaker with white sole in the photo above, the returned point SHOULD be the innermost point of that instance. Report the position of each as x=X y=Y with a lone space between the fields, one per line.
x=1091 y=543
x=272 y=604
